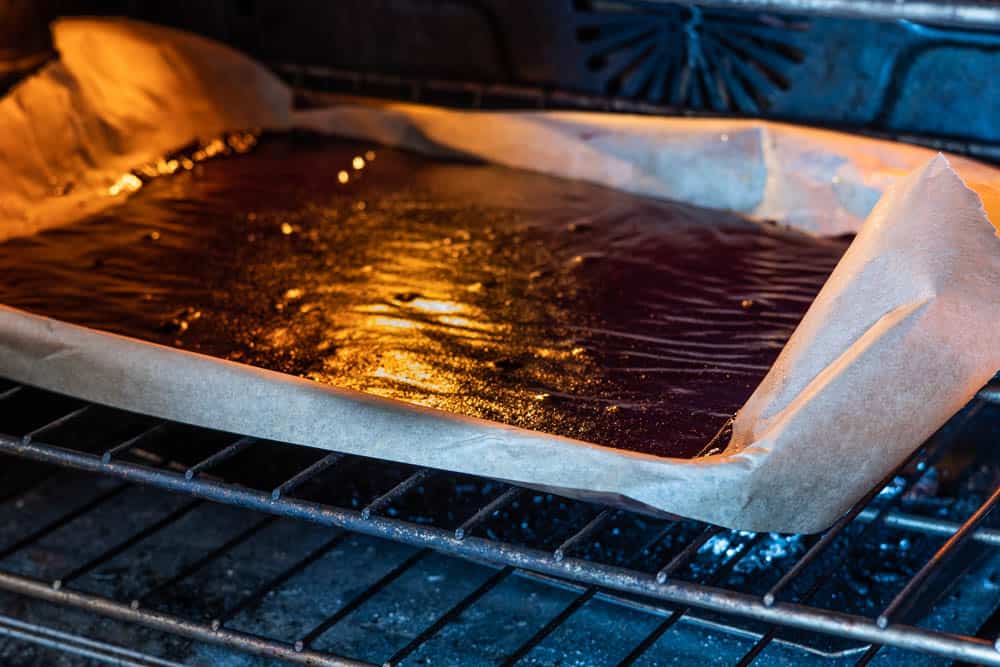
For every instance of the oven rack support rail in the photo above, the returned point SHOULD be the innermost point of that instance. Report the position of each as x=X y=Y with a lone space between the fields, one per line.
x=954 y=12
x=588 y=577
x=321 y=85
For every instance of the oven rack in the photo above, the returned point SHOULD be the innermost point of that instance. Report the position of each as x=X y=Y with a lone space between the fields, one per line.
x=322 y=85
x=955 y=12
x=647 y=586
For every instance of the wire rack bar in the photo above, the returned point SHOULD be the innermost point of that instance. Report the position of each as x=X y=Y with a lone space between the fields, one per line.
x=396 y=492
x=921 y=456
x=714 y=578
x=7 y=393
x=955 y=12
x=488 y=510
x=584 y=533
x=920 y=460
x=23 y=585
x=528 y=646
x=212 y=555
x=61 y=521
x=905 y=597
x=113 y=654
x=758 y=647
x=930 y=525
x=720 y=600
x=126 y=445
x=454 y=612
x=305 y=475
x=359 y=599
x=279 y=580
x=224 y=454
x=729 y=602
x=868 y=656
x=687 y=553
x=653 y=637
x=77 y=645
x=479 y=95
x=128 y=543
x=55 y=423
x=585 y=595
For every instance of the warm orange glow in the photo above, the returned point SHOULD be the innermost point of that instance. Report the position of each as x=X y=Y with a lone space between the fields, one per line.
x=435 y=306
x=407 y=368
x=167 y=166
x=281 y=338
x=127 y=183
x=393 y=323
x=214 y=147
x=990 y=197
x=241 y=142
x=343 y=176
x=463 y=323
x=358 y=163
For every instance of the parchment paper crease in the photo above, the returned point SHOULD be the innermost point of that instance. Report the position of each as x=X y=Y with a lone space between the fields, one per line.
x=903 y=334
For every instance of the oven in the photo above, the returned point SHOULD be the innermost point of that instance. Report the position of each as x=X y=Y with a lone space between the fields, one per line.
x=130 y=540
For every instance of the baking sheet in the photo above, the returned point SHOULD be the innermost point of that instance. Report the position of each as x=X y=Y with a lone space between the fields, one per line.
x=915 y=296
x=540 y=302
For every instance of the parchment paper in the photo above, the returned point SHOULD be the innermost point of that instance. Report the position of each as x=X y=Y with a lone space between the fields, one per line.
x=903 y=334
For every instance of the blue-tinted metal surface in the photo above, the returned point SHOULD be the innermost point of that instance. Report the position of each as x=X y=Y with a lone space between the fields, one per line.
x=245 y=572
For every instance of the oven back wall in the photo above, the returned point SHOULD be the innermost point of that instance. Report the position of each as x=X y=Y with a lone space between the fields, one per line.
x=896 y=77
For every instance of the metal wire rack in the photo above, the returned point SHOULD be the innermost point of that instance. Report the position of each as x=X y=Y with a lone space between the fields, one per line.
x=677 y=571
x=674 y=572
x=315 y=82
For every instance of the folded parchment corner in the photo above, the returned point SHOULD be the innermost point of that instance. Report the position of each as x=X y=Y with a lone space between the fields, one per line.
x=899 y=339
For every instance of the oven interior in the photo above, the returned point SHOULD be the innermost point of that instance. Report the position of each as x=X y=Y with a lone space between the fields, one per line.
x=129 y=541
